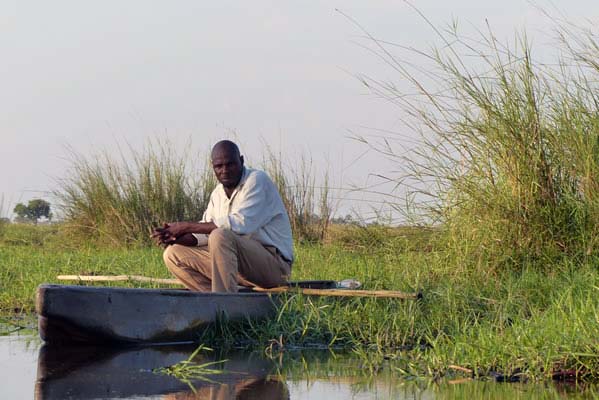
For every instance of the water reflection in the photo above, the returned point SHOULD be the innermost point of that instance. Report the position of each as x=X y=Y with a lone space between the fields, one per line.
x=260 y=389
x=492 y=391
x=96 y=372
x=92 y=373
x=18 y=362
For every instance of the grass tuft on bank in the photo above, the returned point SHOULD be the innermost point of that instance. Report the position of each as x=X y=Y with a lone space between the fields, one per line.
x=507 y=165
x=119 y=198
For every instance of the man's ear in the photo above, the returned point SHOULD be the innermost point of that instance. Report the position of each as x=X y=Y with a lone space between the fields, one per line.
x=241 y=158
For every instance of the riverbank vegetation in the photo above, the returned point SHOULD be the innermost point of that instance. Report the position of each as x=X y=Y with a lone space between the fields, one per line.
x=526 y=323
x=508 y=161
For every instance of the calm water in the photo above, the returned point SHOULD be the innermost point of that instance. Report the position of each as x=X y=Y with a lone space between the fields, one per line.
x=30 y=370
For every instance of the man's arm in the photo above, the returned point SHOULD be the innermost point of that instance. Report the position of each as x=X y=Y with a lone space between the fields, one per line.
x=180 y=228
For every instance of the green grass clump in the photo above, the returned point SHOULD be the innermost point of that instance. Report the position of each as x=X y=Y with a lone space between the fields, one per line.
x=526 y=323
x=508 y=166
x=17 y=234
x=308 y=205
x=120 y=199
x=367 y=237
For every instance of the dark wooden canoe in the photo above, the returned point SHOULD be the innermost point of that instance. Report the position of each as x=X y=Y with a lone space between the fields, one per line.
x=110 y=314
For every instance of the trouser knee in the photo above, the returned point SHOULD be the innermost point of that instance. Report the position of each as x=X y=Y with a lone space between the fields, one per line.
x=169 y=256
x=219 y=237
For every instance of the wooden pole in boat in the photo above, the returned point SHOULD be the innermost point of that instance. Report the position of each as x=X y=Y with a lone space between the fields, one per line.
x=282 y=289
x=117 y=278
x=342 y=292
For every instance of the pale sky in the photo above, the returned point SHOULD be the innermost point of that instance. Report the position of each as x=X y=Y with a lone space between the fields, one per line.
x=90 y=74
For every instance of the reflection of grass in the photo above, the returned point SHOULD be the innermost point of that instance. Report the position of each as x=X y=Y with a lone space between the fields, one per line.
x=189 y=370
x=347 y=369
x=10 y=326
x=494 y=391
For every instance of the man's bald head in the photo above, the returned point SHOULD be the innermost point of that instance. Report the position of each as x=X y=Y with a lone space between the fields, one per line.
x=227 y=163
x=226 y=146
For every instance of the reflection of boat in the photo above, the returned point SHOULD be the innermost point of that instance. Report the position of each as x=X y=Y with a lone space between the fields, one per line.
x=103 y=314
x=96 y=372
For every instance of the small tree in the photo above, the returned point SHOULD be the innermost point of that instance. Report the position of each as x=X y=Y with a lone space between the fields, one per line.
x=34 y=210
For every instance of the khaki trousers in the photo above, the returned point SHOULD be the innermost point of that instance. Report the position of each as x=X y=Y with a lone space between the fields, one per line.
x=228 y=260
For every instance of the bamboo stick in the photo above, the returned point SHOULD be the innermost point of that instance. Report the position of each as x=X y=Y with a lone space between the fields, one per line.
x=281 y=289
x=117 y=278
x=341 y=292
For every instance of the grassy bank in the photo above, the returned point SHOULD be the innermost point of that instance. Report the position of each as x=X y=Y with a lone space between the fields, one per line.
x=525 y=322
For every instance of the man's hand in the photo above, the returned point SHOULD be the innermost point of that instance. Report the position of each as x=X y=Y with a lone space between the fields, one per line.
x=168 y=233
x=180 y=232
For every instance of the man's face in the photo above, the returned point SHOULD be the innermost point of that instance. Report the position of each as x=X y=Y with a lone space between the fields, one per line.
x=228 y=167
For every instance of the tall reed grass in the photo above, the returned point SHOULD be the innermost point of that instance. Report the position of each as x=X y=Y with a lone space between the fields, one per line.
x=509 y=161
x=308 y=204
x=120 y=198
x=3 y=219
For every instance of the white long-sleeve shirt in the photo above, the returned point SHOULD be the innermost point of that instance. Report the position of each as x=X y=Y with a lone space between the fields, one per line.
x=255 y=209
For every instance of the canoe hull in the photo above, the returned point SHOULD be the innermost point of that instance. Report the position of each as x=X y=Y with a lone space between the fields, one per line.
x=125 y=315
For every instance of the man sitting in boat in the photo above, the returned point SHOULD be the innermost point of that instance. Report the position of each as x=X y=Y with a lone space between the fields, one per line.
x=244 y=237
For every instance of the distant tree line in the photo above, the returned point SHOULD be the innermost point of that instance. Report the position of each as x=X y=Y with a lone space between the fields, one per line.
x=33 y=211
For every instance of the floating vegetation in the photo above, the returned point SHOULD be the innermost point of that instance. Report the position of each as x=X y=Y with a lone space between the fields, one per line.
x=13 y=325
x=188 y=370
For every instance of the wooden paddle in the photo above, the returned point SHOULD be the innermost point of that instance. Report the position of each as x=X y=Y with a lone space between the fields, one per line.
x=292 y=289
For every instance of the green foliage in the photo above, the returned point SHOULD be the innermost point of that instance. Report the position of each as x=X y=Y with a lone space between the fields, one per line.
x=33 y=211
x=30 y=235
x=365 y=238
x=120 y=199
x=309 y=206
x=3 y=223
x=508 y=165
